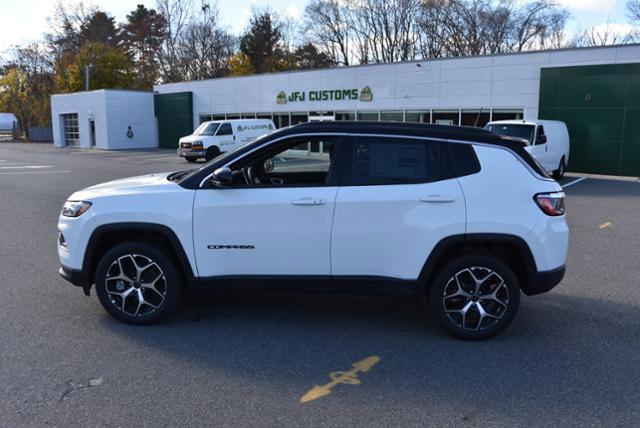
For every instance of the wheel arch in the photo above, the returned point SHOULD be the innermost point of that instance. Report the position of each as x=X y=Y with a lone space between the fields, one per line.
x=106 y=236
x=511 y=249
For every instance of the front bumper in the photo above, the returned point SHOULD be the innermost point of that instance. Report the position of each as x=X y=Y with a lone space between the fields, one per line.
x=191 y=153
x=76 y=277
x=541 y=282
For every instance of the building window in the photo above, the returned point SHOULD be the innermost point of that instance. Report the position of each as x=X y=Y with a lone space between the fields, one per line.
x=417 y=116
x=345 y=115
x=231 y=116
x=506 y=114
x=264 y=116
x=299 y=118
x=478 y=118
x=248 y=115
x=71 y=129
x=368 y=115
x=281 y=120
x=206 y=117
x=218 y=117
x=392 y=116
x=446 y=117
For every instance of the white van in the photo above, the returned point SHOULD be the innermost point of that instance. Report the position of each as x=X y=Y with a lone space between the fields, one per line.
x=219 y=136
x=547 y=141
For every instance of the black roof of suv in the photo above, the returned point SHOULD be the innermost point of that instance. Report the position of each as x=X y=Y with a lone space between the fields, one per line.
x=443 y=132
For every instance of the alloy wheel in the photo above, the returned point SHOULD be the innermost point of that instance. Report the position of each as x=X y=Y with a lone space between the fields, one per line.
x=136 y=285
x=475 y=298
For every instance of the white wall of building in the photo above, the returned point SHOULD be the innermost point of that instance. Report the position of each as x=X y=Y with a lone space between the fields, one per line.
x=113 y=112
x=509 y=81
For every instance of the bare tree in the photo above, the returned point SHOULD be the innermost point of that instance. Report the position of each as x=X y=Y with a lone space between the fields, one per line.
x=205 y=47
x=477 y=27
x=177 y=14
x=605 y=35
x=326 y=25
x=633 y=11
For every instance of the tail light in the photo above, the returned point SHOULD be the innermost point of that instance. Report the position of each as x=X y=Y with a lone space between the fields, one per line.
x=551 y=204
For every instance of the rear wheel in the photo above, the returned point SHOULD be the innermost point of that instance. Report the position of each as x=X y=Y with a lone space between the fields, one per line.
x=475 y=297
x=559 y=173
x=137 y=283
x=190 y=159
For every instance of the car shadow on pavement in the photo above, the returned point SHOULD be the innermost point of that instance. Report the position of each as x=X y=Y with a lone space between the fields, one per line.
x=559 y=345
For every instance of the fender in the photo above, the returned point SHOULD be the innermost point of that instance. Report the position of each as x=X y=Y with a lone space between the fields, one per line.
x=89 y=263
x=451 y=243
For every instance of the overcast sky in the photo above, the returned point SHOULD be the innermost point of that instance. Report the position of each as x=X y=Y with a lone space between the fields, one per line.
x=22 y=21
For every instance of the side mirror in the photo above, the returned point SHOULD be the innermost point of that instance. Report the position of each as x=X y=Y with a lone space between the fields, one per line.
x=542 y=139
x=223 y=177
x=269 y=165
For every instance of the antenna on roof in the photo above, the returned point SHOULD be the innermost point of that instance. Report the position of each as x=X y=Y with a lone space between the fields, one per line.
x=478 y=117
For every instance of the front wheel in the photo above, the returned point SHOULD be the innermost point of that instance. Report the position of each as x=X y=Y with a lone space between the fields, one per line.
x=212 y=152
x=137 y=283
x=475 y=297
x=190 y=159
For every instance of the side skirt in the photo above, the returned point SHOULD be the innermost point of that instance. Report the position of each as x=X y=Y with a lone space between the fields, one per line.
x=344 y=285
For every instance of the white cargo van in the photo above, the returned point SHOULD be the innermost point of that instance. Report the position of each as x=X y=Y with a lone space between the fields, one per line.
x=219 y=136
x=547 y=141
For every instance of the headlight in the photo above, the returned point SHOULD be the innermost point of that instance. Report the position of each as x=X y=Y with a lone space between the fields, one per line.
x=196 y=145
x=75 y=208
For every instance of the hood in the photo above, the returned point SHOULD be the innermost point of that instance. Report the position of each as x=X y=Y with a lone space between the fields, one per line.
x=140 y=184
x=191 y=138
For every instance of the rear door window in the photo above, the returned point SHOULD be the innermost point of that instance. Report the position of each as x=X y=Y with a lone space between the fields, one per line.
x=382 y=160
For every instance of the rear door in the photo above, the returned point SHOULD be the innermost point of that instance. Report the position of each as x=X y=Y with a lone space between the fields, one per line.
x=396 y=202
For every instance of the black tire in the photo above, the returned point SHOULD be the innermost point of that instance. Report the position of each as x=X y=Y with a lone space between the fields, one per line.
x=163 y=297
x=471 y=269
x=190 y=159
x=212 y=152
x=559 y=173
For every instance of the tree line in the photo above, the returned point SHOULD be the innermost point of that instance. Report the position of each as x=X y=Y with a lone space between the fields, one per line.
x=182 y=40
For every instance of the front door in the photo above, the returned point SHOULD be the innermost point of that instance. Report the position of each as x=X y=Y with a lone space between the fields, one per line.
x=225 y=138
x=539 y=149
x=275 y=219
x=395 y=204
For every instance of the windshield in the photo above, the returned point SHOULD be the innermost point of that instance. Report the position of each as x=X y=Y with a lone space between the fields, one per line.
x=207 y=128
x=512 y=130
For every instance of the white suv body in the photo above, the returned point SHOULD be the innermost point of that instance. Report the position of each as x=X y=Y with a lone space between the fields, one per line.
x=380 y=209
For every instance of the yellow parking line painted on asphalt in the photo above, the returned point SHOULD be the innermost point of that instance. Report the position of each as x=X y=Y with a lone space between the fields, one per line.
x=605 y=225
x=348 y=378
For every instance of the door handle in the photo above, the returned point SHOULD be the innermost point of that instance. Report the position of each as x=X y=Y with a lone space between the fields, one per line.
x=437 y=199
x=309 y=201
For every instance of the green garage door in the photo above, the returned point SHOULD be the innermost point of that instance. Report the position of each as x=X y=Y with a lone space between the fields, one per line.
x=175 y=117
x=601 y=106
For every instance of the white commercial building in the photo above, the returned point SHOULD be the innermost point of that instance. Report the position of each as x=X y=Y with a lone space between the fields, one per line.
x=461 y=91
x=105 y=119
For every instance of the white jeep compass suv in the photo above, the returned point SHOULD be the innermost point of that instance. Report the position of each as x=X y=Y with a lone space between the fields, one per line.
x=461 y=215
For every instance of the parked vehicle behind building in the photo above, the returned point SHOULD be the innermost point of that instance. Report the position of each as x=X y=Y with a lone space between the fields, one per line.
x=220 y=136
x=547 y=141
x=378 y=208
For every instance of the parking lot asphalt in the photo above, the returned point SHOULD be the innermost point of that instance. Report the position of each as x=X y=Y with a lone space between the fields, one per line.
x=570 y=358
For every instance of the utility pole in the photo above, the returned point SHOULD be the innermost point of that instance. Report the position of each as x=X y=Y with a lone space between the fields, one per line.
x=87 y=68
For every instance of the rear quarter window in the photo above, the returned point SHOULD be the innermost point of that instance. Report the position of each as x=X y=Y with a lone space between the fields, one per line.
x=464 y=158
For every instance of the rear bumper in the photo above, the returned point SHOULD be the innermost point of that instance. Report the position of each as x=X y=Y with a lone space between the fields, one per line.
x=541 y=282
x=76 y=277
